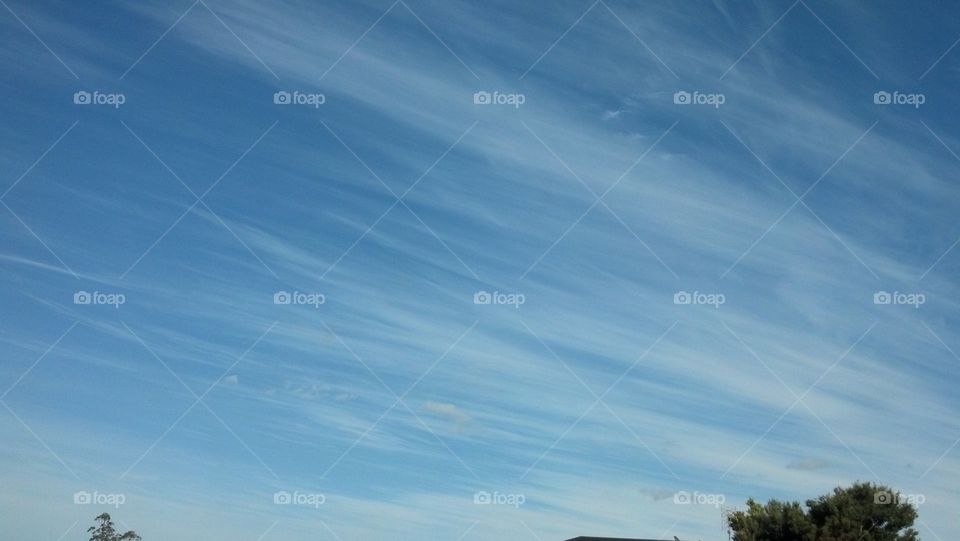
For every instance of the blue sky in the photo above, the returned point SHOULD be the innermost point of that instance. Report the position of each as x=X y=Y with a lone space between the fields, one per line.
x=597 y=399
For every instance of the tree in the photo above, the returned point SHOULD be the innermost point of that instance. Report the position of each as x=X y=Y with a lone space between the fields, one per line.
x=774 y=521
x=105 y=531
x=862 y=512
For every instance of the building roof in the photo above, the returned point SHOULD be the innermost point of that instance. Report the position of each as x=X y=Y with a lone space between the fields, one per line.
x=588 y=538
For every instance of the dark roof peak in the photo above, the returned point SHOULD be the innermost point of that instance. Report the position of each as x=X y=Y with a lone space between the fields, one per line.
x=588 y=538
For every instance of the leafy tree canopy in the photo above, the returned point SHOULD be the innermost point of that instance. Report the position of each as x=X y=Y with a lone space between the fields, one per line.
x=104 y=531
x=862 y=512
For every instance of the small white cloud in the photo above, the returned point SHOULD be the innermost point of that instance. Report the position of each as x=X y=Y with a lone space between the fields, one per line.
x=450 y=411
x=232 y=379
x=610 y=115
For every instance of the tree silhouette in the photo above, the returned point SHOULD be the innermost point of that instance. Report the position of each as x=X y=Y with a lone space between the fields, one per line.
x=862 y=512
x=104 y=531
